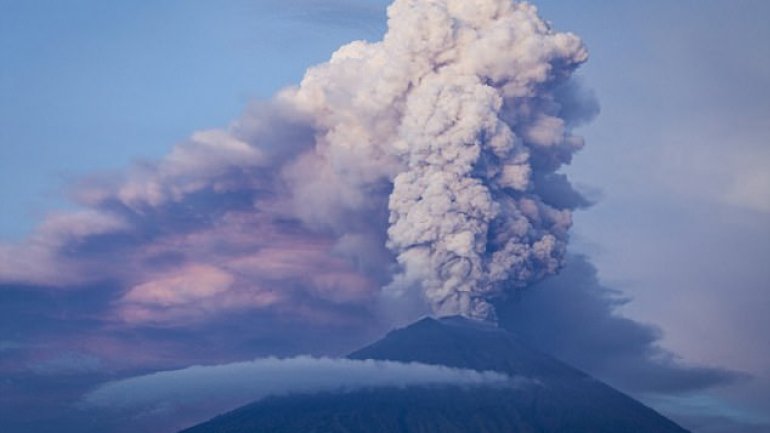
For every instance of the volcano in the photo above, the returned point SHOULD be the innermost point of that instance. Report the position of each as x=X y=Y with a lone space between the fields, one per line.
x=549 y=396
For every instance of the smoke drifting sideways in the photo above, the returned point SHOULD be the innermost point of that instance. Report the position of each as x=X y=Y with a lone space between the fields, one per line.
x=421 y=169
x=171 y=400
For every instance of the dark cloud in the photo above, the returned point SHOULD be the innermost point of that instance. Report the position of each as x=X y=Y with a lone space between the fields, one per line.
x=574 y=317
x=578 y=103
x=557 y=191
x=63 y=343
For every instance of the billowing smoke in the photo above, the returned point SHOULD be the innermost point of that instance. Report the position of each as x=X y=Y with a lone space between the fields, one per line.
x=458 y=108
x=423 y=166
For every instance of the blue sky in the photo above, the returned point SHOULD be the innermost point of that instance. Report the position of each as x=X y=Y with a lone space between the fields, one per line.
x=678 y=159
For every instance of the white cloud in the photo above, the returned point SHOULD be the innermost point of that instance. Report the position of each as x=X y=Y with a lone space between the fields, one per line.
x=209 y=390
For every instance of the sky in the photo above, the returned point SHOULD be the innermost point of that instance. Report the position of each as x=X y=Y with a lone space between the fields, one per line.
x=673 y=251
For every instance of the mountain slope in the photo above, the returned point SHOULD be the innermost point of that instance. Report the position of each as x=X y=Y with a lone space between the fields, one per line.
x=553 y=397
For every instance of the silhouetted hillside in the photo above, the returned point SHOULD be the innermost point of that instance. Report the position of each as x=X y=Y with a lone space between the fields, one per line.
x=548 y=396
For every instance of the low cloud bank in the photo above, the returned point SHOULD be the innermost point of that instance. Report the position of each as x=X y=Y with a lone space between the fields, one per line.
x=205 y=391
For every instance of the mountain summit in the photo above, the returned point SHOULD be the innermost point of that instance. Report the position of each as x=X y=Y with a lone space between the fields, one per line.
x=551 y=397
x=466 y=343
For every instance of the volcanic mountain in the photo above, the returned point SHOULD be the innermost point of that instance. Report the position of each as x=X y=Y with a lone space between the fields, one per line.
x=549 y=396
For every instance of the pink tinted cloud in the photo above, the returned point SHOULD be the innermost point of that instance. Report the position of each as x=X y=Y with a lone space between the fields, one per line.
x=189 y=284
x=247 y=262
x=290 y=277
x=202 y=233
x=188 y=293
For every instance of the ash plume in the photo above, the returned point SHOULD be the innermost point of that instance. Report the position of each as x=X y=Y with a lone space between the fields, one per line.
x=423 y=166
x=459 y=108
